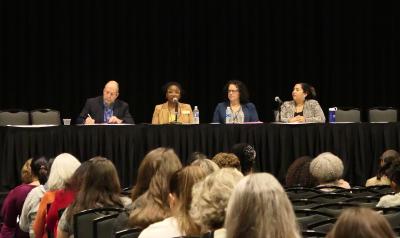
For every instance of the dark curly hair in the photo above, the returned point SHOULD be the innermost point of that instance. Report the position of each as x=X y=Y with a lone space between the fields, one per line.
x=299 y=174
x=244 y=93
x=246 y=155
x=310 y=90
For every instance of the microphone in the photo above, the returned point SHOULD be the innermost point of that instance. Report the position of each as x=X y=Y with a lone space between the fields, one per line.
x=278 y=100
x=175 y=100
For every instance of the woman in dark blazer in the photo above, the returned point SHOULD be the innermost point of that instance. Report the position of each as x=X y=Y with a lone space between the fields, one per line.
x=238 y=101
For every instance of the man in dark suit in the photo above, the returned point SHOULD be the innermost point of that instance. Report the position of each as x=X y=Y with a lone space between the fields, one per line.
x=106 y=108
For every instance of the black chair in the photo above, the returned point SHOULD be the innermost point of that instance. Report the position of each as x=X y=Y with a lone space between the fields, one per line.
x=312 y=233
x=303 y=203
x=330 y=197
x=348 y=115
x=103 y=226
x=295 y=193
x=128 y=233
x=306 y=221
x=127 y=191
x=14 y=117
x=382 y=189
x=45 y=116
x=310 y=212
x=334 y=209
x=83 y=221
x=382 y=114
x=323 y=226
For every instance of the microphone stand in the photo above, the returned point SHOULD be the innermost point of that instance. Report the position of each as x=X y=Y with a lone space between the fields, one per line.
x=176 y=112
x=279 y=111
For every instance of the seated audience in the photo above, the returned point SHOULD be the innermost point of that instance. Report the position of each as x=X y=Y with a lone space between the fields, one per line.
x=63 y=198
x=258 y=208
x=327 y=168
x=303 y=107
x=62 y=169
x=237 y=99
x=385 y=161
x=150 y=194
x=12 y=206
x=227 y=160
x=246 y=155
x=31 y=206
x=180 y=198
x=207 y=165
x=299 y=173
x=210 y=199
x=94 y=193
x=172 y=110
x=195 y=156
x=393 y=173
x=359 y=222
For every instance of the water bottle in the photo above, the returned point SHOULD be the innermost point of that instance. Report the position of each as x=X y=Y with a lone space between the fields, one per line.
x=196 y=115
x=332 y=114
x=228 y=115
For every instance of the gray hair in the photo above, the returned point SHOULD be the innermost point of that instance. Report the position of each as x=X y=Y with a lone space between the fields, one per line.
x=326 y=167
x=259 y=208
x=207 y=165
x=63 y=168
x=210 y=198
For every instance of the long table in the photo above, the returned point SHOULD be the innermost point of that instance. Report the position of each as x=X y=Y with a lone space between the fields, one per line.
x=277 y=145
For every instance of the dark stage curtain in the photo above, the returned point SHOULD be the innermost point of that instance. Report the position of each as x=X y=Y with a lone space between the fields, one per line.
x=55 y=54
x=358 y=145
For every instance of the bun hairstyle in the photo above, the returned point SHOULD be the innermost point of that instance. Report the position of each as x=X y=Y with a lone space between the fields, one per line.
x=310 y=90
x=40 y=168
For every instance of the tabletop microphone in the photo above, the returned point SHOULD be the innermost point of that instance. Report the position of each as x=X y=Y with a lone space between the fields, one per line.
x=175 y=100
x=278 y=100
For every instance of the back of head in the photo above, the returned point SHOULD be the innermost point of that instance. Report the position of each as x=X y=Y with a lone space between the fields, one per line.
x=63 y=167
x=361 y=222
x=157 y=165
x=75 y=181
x=246 y=155
x=26 y=174
x=299 y=173
x=207 y=165
x=227 y=160
x=393 y=173
x=40 y=169
x=258 y=208
x=211 y=196
x=326 y=167
x=180 y=186
x=386 y=160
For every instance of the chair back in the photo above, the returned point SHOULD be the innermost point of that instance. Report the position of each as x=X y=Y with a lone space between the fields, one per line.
x=351 y=115
x=45 y=116
x=103 y=226
x=83 y=221
x=128 y=233
x=14 y=117
x=382 y=115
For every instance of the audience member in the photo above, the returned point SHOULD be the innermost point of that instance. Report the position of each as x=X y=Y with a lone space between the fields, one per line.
x=172 y=111
x=14 y=201
x=298 y=173
x=210 y=199
x=195 y=156
x=150 y=194
x=26 y=173
x=246 y=155
x=227 y=160
x=207 y=165
x=258 y=208
x=303 y=107
x=359 y=222
x=393 y=173
x=63 y=198
x=62 y=169
x=385 y=161
x=237 y=99
x=94 y=193
x=327 y=168
x=180 y=197
x=106 y=108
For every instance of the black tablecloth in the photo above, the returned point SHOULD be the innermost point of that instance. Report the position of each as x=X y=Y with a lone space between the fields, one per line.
x=277 y=145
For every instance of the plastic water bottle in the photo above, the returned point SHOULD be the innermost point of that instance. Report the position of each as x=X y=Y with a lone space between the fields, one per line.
x=332 y=114
x=228 y=115
x=196 y=115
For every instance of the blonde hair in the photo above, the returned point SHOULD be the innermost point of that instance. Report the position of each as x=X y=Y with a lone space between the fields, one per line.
x=227 y=160
x=62 y=169
x=260 y=208
x=211 y=196
x=26 y=173
x=361 y=222
x=326 y=167
x=207 y=165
